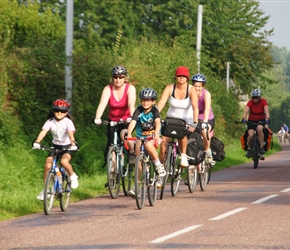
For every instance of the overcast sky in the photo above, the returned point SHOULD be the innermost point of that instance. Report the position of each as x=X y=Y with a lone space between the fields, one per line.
x=279 y=10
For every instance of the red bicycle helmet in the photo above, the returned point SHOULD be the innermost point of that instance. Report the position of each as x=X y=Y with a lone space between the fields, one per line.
x=61 y=104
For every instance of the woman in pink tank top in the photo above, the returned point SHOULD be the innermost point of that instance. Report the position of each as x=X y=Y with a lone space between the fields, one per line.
x=120 y=96
x=205 y=117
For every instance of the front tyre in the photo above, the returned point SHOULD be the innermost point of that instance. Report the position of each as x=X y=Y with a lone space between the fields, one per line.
x=151 y=184
x=140 y=181
x=49 y=193
x=204 y=175
x=191 y=177
x=113 y=176
x=168 y=161
x=65 y=195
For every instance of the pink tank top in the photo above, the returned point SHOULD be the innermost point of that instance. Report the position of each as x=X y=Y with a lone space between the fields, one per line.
x=119 y=109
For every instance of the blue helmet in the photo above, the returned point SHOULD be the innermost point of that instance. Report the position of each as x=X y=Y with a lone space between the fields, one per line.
x=119 y=70
x=256 y=92
x=148 y=94
x=198 y=78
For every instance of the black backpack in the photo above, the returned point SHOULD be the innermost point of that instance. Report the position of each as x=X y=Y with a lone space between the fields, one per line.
x=217 y=149
x=195 y=148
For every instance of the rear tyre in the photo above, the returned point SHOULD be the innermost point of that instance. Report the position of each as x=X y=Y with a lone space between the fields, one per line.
x=256 y=155
x=65 y=195
x=191 y=177
x=203 y=177
x=49 y=193
x=152 y=184
x=113 y=175
x=168 y=160
x=140 y=181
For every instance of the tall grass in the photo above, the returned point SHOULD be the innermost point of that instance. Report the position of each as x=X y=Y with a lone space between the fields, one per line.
x=22 y=169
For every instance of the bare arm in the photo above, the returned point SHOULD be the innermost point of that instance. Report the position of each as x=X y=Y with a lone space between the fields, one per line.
x=106 y=94
x=41 y=135
x=207 y=102
x=131 y=128
x=131 y=99
x=72 y=137
x=266 y=110
x=164 y=97
x=194 y=103
x=247 y=110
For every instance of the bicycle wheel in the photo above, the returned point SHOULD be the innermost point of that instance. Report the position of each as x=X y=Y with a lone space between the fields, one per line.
x=176 y=178
x=168 y=159
x=203 y=176
x=140 y=181
x=49 y=193
x=113 y=176
x=151 y=184
x=256 y=155
x=64 y=197
x=191 y=177
x=127 y=176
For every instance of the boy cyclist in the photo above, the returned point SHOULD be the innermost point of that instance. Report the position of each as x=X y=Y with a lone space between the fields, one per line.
x=146 y=120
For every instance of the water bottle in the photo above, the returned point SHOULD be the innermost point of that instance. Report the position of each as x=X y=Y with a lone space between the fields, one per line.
x=58 y=173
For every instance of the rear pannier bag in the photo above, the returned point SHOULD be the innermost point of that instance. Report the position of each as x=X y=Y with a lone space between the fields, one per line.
x=174 y=128
x=195 y=148
x=217 y=149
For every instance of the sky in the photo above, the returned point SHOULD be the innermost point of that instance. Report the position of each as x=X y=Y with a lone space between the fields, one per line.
x=279 y=11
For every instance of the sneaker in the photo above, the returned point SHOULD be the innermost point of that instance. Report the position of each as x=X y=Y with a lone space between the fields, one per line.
x=132 y=159
x=262 y=151
x=41 y=196
x=160 y=170
x=249 y=153
x=74 y=181
x=132 y=193
x=159 y=183
x=184 y=161
x=208 y=155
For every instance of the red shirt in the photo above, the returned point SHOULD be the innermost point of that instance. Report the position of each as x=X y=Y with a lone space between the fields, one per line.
x=119 y=109
x=257 y=111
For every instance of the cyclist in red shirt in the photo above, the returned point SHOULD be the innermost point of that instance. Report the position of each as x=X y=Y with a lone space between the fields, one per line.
x=258 y=111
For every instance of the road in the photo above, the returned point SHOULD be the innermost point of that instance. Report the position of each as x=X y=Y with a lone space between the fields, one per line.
x=242 y=208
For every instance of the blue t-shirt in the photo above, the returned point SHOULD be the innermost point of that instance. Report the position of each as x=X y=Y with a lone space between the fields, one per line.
x=145 y=123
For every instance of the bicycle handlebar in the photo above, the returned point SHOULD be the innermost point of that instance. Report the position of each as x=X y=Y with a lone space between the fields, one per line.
x=44 y=147
x=250 y=122
x=112 y=123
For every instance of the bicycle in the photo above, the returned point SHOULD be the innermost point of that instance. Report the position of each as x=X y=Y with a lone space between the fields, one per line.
x=146 y=176
x=57 y=183
x=174 y=171
x=118 y=167
x=255 y=154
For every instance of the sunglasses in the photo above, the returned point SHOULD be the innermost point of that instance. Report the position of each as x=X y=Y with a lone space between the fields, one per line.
x=182 y=76
x=255 y=97
x=120 y=77
x=58 y=110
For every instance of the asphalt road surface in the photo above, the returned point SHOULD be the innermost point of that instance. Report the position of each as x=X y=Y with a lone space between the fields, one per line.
x=242 y=208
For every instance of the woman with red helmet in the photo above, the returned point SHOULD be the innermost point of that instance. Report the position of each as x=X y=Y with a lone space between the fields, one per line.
x=183 y=104
x=62 y=130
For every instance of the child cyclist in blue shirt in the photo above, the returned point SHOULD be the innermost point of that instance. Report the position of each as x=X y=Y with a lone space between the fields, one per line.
x=146 y=120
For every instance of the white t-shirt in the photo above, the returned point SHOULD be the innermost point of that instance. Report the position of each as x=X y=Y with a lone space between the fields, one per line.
x=59 y=130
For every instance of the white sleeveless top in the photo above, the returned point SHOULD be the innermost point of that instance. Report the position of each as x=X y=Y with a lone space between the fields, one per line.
x=181 y=109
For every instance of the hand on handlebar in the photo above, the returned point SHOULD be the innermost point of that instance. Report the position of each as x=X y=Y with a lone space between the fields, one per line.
x=204 y=125
x=243 y=120
x=36 y=145
x=98 y=121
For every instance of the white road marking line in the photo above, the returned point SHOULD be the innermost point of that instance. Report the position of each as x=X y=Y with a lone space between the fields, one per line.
x=285 y=190
x=177 y=233
x=222 y=216
x=264 y=199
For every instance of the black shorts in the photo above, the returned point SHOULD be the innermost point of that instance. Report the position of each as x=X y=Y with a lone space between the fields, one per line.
x=61 y=147
x=253 y=126
x=110 y=132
